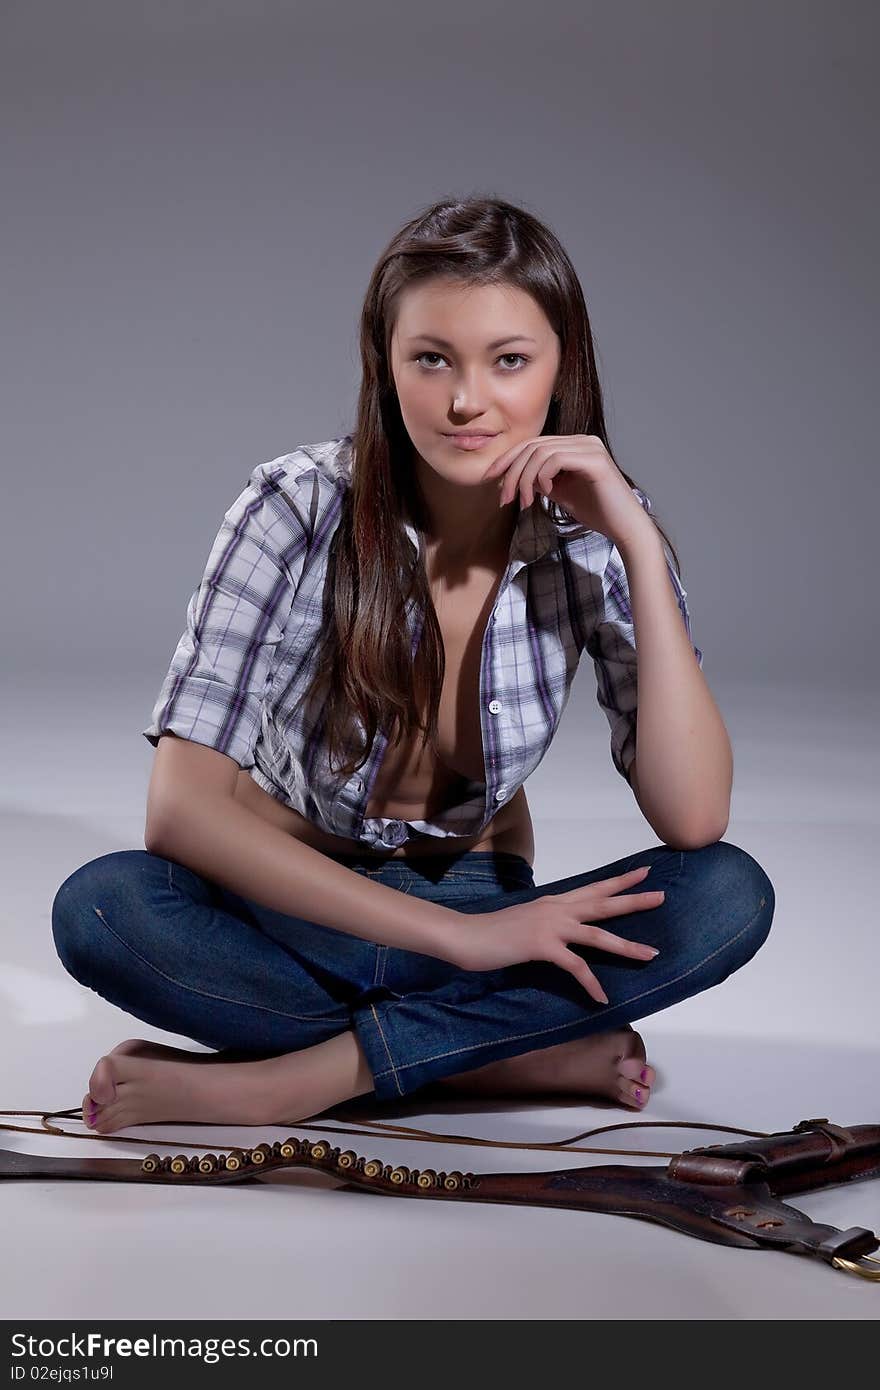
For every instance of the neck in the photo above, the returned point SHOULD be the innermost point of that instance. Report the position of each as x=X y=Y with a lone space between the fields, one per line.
x=466 y=526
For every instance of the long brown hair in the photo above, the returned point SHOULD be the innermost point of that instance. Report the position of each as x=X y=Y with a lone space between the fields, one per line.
x=366 y=667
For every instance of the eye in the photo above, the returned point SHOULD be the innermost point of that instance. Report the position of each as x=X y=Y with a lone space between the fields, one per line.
x=522 y=358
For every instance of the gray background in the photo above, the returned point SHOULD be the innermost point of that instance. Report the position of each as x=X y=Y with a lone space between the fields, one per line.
x=194 y=197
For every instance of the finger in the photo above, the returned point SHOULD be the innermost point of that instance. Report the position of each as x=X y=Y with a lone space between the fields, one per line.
x=633 y=902
x=498 y=467
x=587 y=891
x=498 y=464
x=493 y=466
x=546 y=473
x=515 y=472
x=511 y=482
x=607 y=941
x=576 y=966
x=527 y=482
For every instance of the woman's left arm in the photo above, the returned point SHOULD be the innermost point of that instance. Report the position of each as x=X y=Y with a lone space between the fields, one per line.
x=682 y=774
x=683 y=755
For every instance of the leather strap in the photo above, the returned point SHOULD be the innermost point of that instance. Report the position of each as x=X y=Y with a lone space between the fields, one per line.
x=727 y=1195
x=358 y=1125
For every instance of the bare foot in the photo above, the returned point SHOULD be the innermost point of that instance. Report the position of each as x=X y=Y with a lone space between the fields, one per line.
x=610 y=1064
x=142 y=1047
x=141 y=1082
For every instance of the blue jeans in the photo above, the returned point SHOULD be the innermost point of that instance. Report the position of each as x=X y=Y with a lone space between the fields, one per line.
x=184 y=954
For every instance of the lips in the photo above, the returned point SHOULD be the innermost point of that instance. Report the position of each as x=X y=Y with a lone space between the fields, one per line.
x=470 y=441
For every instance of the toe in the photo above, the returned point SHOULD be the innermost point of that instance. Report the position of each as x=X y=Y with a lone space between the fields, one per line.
x=638 y=1070
x=107 y=1120
x=102 y=1085
x=130 y=1048
x=635 y=1082
x=633 y=1094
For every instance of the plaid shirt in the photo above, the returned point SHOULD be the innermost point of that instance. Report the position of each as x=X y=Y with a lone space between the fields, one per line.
x=254 y=624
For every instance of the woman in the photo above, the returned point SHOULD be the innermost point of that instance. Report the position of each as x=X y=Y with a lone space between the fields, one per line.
x=336 y=905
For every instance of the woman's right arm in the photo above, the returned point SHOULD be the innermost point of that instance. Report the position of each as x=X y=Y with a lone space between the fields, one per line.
x=194 y=819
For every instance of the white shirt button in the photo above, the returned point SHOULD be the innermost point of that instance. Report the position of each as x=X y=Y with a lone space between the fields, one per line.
x=501 y=794
x=495 y=706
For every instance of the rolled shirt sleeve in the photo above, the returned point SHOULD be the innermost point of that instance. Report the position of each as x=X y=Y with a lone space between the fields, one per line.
x=611 y=644
x=222 y=667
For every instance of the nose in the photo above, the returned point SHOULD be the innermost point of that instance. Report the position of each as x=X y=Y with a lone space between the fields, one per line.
x=468 y=399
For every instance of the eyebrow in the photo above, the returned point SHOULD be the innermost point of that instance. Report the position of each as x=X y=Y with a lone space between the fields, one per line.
x=499 y=342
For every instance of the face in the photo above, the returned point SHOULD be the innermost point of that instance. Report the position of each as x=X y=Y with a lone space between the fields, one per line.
x=494 y=371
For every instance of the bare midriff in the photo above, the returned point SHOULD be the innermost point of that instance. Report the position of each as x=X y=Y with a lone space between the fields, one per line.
x=509 y=831
x=416 y=784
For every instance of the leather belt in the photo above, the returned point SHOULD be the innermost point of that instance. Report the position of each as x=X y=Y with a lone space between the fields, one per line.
x=725 y=1193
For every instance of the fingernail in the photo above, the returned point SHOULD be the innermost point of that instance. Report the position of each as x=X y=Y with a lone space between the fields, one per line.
x=655 y=951
x=638 y=1094
x=644 y=1074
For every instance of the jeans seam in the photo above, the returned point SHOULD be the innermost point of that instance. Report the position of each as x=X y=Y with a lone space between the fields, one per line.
x=381 y=959
x=575 y=1023
x=339 y=1011
x=393 y=1070
x=471 y=877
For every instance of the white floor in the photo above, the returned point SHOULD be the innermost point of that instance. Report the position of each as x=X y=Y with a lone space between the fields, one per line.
x=792 y=1036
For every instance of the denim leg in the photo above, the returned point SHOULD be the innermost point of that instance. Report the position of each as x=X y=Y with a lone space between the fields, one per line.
x=462 y=883
x=716 y=914
x=183 y=954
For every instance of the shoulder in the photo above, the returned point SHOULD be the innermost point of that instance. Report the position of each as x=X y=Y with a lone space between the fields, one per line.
x=300 y=486
x=326 y=464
